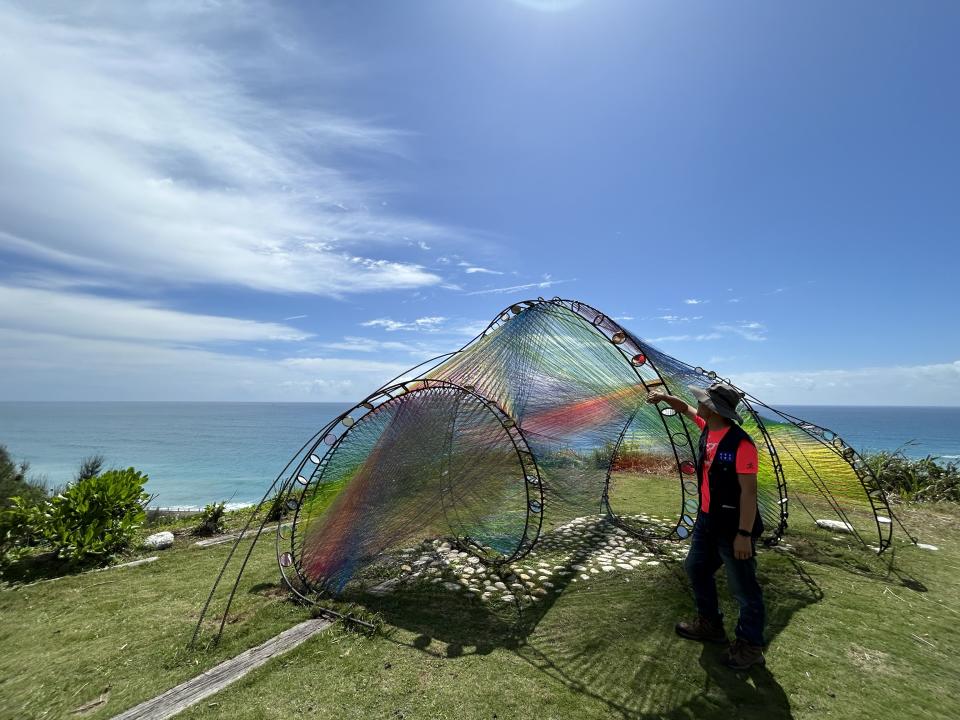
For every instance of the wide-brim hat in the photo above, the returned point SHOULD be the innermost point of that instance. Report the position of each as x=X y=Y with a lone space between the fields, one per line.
x=720 y=397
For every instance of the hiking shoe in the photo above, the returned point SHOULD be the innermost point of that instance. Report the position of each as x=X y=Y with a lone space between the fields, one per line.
x=702 y=629
x=742 y=655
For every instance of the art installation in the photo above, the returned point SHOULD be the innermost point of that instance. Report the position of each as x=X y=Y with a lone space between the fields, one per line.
x=539 y=420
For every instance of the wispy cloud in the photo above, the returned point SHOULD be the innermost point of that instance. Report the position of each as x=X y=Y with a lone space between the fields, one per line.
x=473 y=269
x=934 y=384
x=89 y=316
x=210 y=178
x=687 y=338
x=695 y=301
x=517 y=288
x=673 y=319
x=295 y=317
x=747 y=329
x=429 y=324
x=372 y=345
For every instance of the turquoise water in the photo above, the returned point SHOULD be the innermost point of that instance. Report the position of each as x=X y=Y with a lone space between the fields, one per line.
x=194 y=453
x=197 y=453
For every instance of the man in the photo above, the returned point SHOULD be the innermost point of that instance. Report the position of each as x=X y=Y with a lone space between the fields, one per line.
x=727 y=525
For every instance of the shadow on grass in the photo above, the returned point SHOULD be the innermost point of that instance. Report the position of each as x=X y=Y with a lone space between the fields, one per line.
x=610 y=638
x=43 y=566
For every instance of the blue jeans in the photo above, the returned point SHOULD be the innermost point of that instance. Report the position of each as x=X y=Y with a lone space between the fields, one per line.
x=708 y=551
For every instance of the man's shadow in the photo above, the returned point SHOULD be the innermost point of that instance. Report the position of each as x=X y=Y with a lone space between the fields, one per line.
x=603 y=657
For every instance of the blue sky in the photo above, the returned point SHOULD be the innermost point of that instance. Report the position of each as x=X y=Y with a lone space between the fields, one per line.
x=246 y=201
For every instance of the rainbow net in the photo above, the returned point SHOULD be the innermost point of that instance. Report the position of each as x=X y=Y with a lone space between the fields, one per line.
x=539 y=421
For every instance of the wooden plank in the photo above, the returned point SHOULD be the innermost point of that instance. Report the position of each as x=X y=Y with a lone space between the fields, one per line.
x=179 y=698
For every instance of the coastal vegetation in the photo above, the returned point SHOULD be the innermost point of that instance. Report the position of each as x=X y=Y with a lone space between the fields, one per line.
x=91 y=520
x=851 y=635
x=210 y=520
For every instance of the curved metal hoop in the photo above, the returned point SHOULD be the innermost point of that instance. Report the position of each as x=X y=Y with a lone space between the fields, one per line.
x=290 y=560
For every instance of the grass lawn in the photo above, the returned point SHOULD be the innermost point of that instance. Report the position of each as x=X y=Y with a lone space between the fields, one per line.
x=851 y=635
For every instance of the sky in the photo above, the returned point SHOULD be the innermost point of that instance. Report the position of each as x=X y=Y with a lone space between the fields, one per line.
x=251 y=201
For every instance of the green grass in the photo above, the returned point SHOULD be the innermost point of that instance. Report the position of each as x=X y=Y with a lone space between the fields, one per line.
x=851 y=635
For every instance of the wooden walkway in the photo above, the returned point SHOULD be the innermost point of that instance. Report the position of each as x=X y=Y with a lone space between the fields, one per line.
x=215 y=679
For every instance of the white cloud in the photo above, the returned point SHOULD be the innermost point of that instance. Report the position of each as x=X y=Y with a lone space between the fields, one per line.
x=470 y=270
x=517 y=288
x=141 y=144
x=687 y=338
x=935 y=384
x=80 y=315
x=747 y=329
x=371 y=345
x=429 y=324
x=43 y=366
x=694 y=301
x=672 y=319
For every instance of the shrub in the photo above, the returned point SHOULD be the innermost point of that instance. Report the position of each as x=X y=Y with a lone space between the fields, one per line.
x=916 y=479
x=211 y=520
x=15 y=483
x=20 y=527
x=89 y=467
x=97 y=516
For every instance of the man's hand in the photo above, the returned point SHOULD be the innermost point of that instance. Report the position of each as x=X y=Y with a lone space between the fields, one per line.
x=654 y=397
x=742 y=548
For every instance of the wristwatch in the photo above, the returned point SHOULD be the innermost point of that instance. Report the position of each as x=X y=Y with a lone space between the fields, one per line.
x=745 y=533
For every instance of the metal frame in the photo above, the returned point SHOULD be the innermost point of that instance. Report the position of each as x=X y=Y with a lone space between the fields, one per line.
x=372 y=404
x=680 y=440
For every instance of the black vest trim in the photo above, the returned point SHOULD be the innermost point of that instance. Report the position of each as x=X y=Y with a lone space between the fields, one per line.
x=724 y=483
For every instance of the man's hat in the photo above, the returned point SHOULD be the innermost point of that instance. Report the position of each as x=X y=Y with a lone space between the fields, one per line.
x=720 y=397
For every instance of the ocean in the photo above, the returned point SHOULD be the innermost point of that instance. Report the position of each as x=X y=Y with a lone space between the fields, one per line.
x=198 y=452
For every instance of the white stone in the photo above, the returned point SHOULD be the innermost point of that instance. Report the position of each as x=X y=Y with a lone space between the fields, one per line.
x=835 y=525
x=507 y=598
x=624 y=566
x=406 y=568
x=499 y=586
x=608 y=568
x=653 y=562
x=927 y=546
x=585 y=577
x=455 y=587
x=159 y=541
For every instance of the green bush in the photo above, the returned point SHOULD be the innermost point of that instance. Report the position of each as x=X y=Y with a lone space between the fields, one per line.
x=20 y=527
x=916 y=479
x=96 y=516
x=211 y=520
x=15 y=483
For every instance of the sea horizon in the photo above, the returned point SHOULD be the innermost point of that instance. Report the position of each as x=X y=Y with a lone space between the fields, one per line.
x=198 y=452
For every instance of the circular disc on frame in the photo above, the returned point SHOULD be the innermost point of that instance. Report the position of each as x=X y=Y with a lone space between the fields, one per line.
x=330 y=438
x=286 y=560
x=638 y=359
x=668 y=412
x=618 y=337
x=687 y=467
